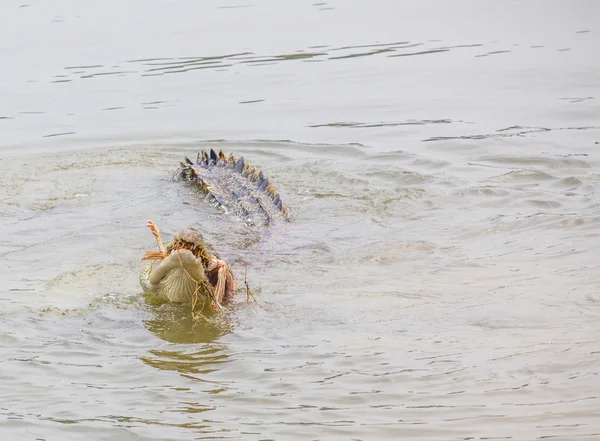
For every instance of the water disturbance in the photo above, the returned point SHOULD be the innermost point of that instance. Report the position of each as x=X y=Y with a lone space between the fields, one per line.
x=439 y=278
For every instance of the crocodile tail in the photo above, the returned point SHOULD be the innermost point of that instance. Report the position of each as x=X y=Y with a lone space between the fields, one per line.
x=252 y=174
x=239 y=165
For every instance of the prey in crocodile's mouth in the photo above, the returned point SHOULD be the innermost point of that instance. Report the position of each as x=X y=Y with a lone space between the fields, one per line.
x=212 y=277
x=188 y=239
x=197 y=250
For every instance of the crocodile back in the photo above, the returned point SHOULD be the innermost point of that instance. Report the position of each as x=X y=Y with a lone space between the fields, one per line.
x=235 y=186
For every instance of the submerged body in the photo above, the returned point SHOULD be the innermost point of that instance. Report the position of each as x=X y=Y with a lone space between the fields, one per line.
x=166 y=279
x=188 y=270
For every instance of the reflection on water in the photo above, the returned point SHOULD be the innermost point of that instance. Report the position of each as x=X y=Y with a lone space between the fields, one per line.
x=202 y=362
x=173 y=323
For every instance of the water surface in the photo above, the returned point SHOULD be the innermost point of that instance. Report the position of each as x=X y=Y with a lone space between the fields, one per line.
x=439 y=279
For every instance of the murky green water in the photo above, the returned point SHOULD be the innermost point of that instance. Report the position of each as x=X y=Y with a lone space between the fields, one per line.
x=439 y=280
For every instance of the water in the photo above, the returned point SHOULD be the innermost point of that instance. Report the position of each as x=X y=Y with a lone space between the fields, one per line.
x=439 y=279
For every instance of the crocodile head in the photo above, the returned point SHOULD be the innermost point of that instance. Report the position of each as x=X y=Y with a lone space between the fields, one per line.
x=187 y=270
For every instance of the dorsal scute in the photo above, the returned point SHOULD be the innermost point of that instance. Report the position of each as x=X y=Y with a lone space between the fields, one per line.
x=204 y=157
x=222 y=159
x=231 y=160
x=246 y=170
x=213 y=157
x=263 y=184
x=239 y=165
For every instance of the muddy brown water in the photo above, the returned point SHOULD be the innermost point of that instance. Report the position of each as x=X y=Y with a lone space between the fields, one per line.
x=439 y=279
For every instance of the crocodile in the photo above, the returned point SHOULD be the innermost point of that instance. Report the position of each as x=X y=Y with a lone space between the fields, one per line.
x=188 y=270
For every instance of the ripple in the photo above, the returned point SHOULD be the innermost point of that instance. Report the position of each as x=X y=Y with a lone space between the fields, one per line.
x=523 y=176
x=549 y=204
x=485 y=191
x=509 y=132
x=555 y=162
x=568 y=183
x=157 y=66
x=360 y=125
x=197 y=362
